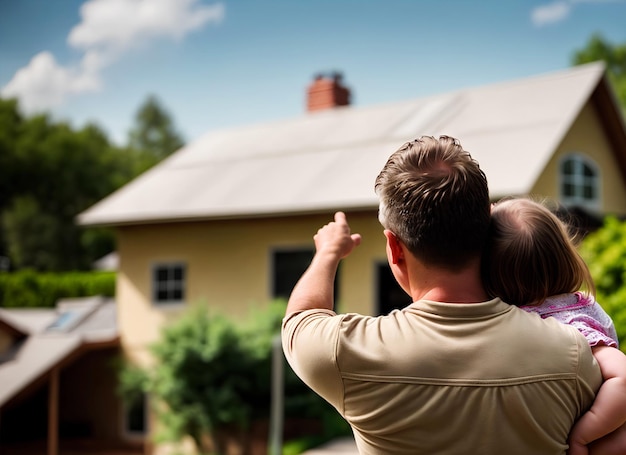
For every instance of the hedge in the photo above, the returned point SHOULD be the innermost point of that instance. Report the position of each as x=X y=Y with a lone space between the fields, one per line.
x=30 y=289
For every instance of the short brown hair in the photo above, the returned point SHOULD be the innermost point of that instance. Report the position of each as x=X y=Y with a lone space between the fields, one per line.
x=434 y=198
x=531 y=255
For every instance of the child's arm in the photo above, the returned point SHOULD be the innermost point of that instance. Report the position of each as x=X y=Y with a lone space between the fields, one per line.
x=608 y=411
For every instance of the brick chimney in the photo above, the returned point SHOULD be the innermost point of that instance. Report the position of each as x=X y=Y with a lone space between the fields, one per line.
x=327 y=92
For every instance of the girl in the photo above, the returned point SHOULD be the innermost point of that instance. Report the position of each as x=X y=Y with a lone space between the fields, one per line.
x=531 y=261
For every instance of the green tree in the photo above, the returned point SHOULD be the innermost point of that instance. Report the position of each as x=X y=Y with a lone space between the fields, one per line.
x=10 y=124
x=604 y=250
x=614 y=56
x=203 y=381
x=50 y=172
x=154 y=132
x=30 y=232
x=211 y=380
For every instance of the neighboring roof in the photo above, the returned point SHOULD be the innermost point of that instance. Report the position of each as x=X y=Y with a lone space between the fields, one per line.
x=53 y=335
x=27 y=320
x=328 y=160
x=107 y=263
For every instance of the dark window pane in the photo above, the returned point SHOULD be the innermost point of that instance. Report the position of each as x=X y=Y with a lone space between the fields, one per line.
x=579 y=181
x=161 y=274
x=169 y=283
x=568 y=167
x=390 y=295
x=136 y=417
x=288 y=268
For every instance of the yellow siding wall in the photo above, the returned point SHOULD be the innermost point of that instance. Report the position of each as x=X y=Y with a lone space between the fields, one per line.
x=587 y=138
x=229 y=268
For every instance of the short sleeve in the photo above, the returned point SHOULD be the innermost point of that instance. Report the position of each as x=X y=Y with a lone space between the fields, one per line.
x=583 y=313
x=597 y=330
x=594 y=323
x=309 y=341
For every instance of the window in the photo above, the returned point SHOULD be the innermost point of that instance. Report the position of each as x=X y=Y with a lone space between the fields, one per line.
x=65 y=320
x=136 y=416
x=168 y=282
x=288 y=267
x=390 y=295
x=580 y=183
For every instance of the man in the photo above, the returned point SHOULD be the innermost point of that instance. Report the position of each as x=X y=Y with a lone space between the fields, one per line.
x=455 y=372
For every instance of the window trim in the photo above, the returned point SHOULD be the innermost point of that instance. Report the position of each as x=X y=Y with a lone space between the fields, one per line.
x=129 y=434
x=580 y=160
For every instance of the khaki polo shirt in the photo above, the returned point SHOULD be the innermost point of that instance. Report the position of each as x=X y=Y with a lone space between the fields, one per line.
x=440 y=378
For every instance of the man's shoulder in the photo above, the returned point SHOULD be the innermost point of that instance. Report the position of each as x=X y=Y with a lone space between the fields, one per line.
x=547 y=335
x=549 y=327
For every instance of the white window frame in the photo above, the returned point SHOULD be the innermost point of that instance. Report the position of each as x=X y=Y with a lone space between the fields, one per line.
x=171 y=283
x=579 y=181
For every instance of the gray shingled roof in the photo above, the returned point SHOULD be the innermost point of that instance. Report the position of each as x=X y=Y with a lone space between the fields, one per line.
x=328 y=160
x=51 y=336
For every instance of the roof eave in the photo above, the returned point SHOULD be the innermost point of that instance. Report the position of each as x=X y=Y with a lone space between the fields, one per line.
x=608 y=109
x=124 y=221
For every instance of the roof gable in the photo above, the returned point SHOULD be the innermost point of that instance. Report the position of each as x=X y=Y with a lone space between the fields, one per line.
x=50 y=340
x=328 y=160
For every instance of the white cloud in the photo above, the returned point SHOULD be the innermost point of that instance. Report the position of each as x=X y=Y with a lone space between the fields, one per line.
x=44 y=84
x=107 y=30
x=559 y=10
x=550 y=13
x=115 y=26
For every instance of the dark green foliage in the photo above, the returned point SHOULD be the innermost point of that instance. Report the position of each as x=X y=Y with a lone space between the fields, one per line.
x=605 y=252
x=132 y=382
x=51 y=172
x=31 y=235
x=613 y=55
x=28 y=288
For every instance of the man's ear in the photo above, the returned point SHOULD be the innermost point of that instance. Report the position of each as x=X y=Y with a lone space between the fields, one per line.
x=395 y=247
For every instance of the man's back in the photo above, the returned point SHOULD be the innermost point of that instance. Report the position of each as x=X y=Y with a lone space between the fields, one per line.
x=460 y=378
x=481 y=378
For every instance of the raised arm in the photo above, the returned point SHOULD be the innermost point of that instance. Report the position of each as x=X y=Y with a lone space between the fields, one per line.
x=608 y=412
x=315 y=289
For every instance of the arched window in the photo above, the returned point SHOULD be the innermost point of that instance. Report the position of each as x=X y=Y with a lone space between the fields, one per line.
x=580 y=182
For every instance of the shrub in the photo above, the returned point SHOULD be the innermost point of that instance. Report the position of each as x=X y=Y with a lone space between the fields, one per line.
x=28 y=288
x=212 y=377
x=604 y=250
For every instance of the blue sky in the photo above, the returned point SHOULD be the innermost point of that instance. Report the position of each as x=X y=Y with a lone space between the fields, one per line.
x=215 y=64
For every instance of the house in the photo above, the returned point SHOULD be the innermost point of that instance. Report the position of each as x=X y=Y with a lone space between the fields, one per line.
x=58 y=385
x=229 y=218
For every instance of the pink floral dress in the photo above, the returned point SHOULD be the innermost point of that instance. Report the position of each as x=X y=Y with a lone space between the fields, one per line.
x=582 y=312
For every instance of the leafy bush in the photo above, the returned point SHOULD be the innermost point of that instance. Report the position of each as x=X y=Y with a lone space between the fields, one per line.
x=31 y=289
x=604 y=250
x=212 y=375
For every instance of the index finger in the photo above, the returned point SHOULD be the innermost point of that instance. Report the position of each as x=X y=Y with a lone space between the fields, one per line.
x=340 y=217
